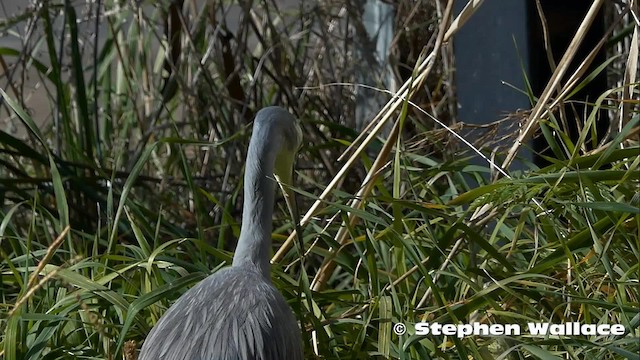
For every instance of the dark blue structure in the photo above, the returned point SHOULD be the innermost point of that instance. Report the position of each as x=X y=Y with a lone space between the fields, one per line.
x=501 y=43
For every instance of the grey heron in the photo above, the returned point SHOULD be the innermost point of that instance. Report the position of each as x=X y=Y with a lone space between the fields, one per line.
x=237 y=313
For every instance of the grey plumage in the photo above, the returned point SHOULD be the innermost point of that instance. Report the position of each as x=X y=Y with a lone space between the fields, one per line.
x=237 y=313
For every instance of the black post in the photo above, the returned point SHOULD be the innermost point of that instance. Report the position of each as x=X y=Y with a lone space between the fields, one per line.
x=563 y=19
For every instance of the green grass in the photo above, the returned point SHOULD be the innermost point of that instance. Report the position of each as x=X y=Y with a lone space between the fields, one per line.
x=128 y=192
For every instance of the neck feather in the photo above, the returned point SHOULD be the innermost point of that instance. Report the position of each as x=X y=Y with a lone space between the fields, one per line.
x=254 y=244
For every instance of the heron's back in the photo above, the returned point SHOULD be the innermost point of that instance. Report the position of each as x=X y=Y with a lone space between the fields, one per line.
x=232 y=314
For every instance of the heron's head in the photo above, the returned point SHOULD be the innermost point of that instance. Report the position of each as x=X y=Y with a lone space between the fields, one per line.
x=283 y=135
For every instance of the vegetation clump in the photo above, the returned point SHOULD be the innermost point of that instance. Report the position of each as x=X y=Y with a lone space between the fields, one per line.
x=122 y=188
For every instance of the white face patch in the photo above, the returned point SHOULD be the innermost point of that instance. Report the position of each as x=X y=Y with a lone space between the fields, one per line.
x=287 y=154
x=292 y=138
x=284 y=165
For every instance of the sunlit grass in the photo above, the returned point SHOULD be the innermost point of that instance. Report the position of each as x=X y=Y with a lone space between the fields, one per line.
x=106 y=221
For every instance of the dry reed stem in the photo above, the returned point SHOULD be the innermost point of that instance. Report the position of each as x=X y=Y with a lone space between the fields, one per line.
x=32 y=286
x=384 y=115
x=541 y=109
x=411 y=85
x=329 y=264
x=466 y=13
x=50 y=251
x=405 y=92
x=629 y=80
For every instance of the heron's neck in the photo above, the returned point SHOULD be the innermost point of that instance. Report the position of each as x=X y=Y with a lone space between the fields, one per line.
x=254 y=244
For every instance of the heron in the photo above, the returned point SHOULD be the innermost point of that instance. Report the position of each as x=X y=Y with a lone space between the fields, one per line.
x=237 y=313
